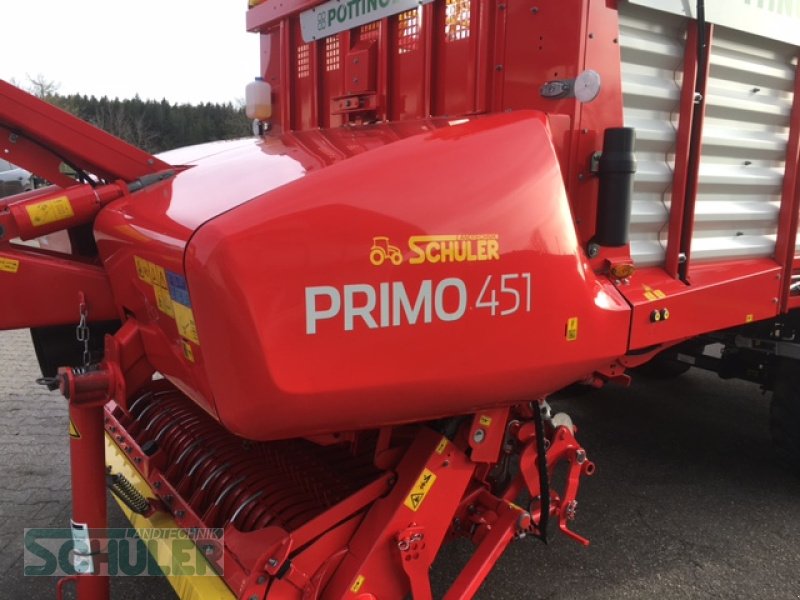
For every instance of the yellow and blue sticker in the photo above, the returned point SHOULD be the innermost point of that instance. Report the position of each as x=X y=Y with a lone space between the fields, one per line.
x=172 y=297
x=182 y=306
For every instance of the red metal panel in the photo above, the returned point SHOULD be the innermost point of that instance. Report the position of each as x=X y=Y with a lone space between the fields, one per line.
x=503 y=175
x=722 y=295
x=599 y=51
x=303 y=77
x=332 y=85
x=541 y=43
x=41 y=288
x=456 y=38
x=407 y=62
x=495 y=56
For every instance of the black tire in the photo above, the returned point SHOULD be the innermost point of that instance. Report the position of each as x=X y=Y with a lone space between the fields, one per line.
x=784 y=414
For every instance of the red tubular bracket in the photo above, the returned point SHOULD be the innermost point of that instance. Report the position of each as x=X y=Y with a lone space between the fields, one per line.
x=61 y=209
x=563 y=448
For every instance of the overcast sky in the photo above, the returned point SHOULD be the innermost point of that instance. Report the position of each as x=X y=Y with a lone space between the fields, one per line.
x=183 y=50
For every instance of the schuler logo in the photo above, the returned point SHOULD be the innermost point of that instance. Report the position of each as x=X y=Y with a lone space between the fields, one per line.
x=437 y=249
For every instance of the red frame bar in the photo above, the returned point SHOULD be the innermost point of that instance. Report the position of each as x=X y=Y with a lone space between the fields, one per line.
x=31 y=305
x=42 y=131
x=267 y=13
x=790 y=198
x=682 y=143
x=687 y=168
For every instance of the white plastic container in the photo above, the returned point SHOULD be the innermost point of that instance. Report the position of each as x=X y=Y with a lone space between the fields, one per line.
x=258 y=100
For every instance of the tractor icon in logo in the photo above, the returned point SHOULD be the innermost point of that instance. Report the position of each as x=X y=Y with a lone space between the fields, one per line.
x=382 y=250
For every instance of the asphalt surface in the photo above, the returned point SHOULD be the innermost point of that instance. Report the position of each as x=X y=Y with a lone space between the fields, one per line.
x=687 y=502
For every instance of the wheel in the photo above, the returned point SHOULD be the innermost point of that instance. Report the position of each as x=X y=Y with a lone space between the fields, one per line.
x=784 y=414
x=377 y=256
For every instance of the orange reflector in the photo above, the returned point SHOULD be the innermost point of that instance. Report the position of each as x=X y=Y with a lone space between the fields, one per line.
x=622 y=270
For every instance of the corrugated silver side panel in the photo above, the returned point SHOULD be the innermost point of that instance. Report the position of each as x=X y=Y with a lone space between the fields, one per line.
x=744 y=137
x=652 y=60
x=745 y=133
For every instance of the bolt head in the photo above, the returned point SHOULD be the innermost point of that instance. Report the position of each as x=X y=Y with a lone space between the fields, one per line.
x=478 y=436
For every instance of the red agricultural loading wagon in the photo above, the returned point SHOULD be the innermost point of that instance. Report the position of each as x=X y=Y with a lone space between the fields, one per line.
x=334 y=341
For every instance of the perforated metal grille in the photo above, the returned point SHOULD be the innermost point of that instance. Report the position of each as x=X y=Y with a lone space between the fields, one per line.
x=303 y=61
x=408 y=25
x=332 y=53
x=369 y=31
x=456 y=22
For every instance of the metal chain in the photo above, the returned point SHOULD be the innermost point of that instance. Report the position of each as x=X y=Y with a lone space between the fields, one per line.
x=82 y=332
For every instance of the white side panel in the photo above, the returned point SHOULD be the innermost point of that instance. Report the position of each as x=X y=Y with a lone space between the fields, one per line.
x=774 y=19
x=744 y=137
x=652 y=60
x=745 y=133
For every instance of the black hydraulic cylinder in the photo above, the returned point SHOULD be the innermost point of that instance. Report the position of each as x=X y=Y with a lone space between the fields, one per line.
x=616 y=169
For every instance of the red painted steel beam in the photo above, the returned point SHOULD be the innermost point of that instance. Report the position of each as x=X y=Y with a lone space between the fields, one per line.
x=285 y=91
x=36 y=275
x=265 y=14
x=67 y=137
x=687 y=154
x=695 y=154
x=790 y=198
x=426 y=35
x=681 y=173
x=87 y=393
x=487 y=554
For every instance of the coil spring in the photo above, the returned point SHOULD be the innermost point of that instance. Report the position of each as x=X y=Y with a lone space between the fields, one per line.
x=129 y=495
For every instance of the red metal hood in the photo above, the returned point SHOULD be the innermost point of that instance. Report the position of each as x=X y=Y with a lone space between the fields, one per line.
x=236 y=269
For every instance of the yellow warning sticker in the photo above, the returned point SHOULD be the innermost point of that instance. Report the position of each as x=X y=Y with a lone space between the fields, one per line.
x=184 y=319
x=485 y=420
x=73 y=431
x=659 y=294
x=9 y=265
x=442 y=445
x=50 y=211
x=650 y=296
x=420 y=490
x=572 y=329
x=188 y=353
x=150 y=272
x=357 y=584
x=164 y=301
x=748 y=318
